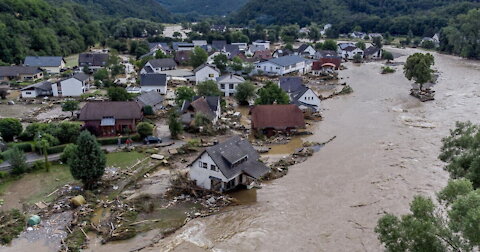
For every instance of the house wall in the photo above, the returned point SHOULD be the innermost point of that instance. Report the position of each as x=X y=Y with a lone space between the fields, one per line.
x=159 y=89
x=206 y=73
x=377 y=55
x=228 y=89
x=29 y=93
x=349 y=54
x=113 y=131
x=270 y=68
x=24 y=77
x=202 y=175
x=53 y=70
x=311 y=98
x=72 y=87
x=55 y=90
x=266 y=45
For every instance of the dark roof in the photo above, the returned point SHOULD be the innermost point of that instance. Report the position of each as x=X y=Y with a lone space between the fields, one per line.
x=81 y=76
x=164 y=46
x=287 y=60
x=302 y=48
x=182 y=56
x=350 y=48
x=153 y=79
x=291 y=84
x=219 y=44
x=152 y=98
x=96 y=111
x=14 y=71
x=93 y=59
x=277 y=116
x=207 y=105
x=264 y=55
x=233 y=50
x=43 y=61
x=177 y=45
x=283 y=52
x=148 y=69
x=232 y=150
x=166 y=62
x=371 y=50
x=326 y=54
x=44 y=85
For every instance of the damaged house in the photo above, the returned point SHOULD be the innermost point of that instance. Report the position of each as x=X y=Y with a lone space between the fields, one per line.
x=227 y=165
x=270 y=119
x=206 y=105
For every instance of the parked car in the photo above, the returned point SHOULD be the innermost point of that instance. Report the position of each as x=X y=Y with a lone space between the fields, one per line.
x=152 y=140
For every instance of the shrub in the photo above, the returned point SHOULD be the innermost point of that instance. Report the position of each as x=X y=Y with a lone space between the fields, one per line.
x=18 y=161
x=10 y=128
x=148 y=110
x=24 y=146
x=114 y=140
x=386 y=70
x=68 y=152
x=144 y=129
x=57 y=149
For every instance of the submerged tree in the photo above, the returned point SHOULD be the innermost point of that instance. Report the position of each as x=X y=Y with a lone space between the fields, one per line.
x=244 y=92
x=418 y=68
x=271 y=93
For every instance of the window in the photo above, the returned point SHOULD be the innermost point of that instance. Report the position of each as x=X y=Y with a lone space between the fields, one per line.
x=210 y=75
x=205 y=165
x=231 y=86
x=200 y=164
x=28 y=93
x=213 y=167
x=222 y=86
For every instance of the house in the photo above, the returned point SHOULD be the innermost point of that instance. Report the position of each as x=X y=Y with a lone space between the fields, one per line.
x=43 y=88
x=159 y=65
x=262 y=43
x=228 y=84
x=74 y=86
x=232 y=51
x=323 y=68
x=152 y=99
x=373 y=53
x=153 y=81
x=349 y=52
x=358 y=35
x=219 y=45
x=206 y=72
x=20 y=73
x=199 y=43
x=227 y=165
x=206 y=105
x=375 y=35
x=218 y=28
x=183 y=57
x=270 y=119
x=153 y=47
x=50 y=64
x=282 y=52
x=93 y=61
x=300 y=95
x=343 y=45
x=241 y=46
x=182 y=46
x=111 y=118
x=262 y=55
x=326 y=56
x=306 y=50
x=253 y=48
x=282 y=65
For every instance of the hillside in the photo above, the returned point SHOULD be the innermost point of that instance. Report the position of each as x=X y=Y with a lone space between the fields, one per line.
x=394 y=16
x=203 y=7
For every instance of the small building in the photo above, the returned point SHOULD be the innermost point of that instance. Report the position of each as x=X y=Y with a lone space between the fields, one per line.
x=283 y=65
x=262 y=55
x=375 y=35
x=93 y=61
x=270 y=119
x=300 y=95
x=206 y=72
x=227 y=165
x=373 y=53
x=206 y=105
x=153 y=81
x=350 y=51
x=306 y=50
x=152 y=99
x=228 y=84
x=183 y=57
x=74 y=86
x=263 y=43
x=40 y=89
x=20 y=73
x=111 y=118
x=182 y=46
x=219 y=45
x=282 y=52
x=50 y=64
x=164 y=47
x=241 y=46
x=358 y=35
x=326 y=56
x=159 y=65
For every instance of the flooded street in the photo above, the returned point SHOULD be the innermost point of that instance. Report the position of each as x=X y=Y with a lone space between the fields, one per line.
x=385 y=153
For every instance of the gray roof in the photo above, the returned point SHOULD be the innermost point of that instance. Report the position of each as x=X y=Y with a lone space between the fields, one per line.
x=153 y=79
x=14 y=71
x=326 y=54
x=93 y=59
x=371 y=50
x=81 y=76
x=44 y=85
x=302 y=48
x=166 y=62
x=230 y=78
x=287 y=60
x=206 y=65
x=164 y=46
x=152 y=98
x=219 y=44
x=291 y=84
x=225 y=154
x=345 y=45
x=43 y=61
x=177 y=45
x=148 y=69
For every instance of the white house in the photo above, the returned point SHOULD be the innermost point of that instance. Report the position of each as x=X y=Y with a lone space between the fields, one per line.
x=241 y=46
x=43 y=88
x=225 y=166
x=153 y=81
x=306 y=50
x=50 y=64
x=300 y=95
x=373 y=53
x=72 y=87
x=283 y=65
x=206 y=72
x=228 y=84
x=264 y=43
x=350 y=51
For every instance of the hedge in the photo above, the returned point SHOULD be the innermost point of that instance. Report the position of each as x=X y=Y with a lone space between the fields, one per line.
x=114 y=140
x=56 y=149
x=24 y=146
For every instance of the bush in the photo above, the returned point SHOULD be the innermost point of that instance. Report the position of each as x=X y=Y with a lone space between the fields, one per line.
x=386 y=70
x=144 y=129
x=148 y=110
x=57 y=149
x=114 y=140
x=3 y=174
x=10 y=128
x=24 y=146
x=18 y=161
x=68 y=152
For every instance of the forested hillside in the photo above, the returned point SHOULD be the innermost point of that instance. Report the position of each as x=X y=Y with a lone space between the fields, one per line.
x=422 y=17
x=202 y=7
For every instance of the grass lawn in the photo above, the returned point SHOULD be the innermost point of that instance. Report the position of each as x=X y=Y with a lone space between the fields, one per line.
x=71 y=61
x=124 y=160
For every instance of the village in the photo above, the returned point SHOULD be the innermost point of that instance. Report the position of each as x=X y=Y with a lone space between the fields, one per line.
x=183 y=132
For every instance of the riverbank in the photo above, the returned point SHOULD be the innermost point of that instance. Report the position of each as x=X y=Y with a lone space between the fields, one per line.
x=385 y=153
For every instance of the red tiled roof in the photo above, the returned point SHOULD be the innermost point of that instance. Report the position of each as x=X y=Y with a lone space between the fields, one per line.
x=277 y=116
x=93 y=111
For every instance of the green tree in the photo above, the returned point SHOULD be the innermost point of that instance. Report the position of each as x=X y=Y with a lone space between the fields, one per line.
x=17 y=160
x=101 y=75
x=148 y=110
x=208 y=88
x=314 y=33
x=159 y=54
x=330 y=45
x=289 y=46
x=245 y=92
x=237 y=64
x=427 y=44
x=221 y=61
x=361 y=45
x=88 y=160
x=271 y=93
x=461 y=36
x=10 y=128
x=418 y=68
x=184 y=94
x=174 y=124
x=387 y=56
x=145 y=129
x=68 y=153
x=377 y=41
x=201 y=120
x=70 y=105
x=118 y=94
x=198 y=57
x=357 y=58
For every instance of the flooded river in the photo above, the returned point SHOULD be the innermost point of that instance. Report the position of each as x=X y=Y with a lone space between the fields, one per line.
x=385 y=153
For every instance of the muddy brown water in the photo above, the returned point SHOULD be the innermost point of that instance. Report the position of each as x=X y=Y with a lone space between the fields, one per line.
x=385 y=153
